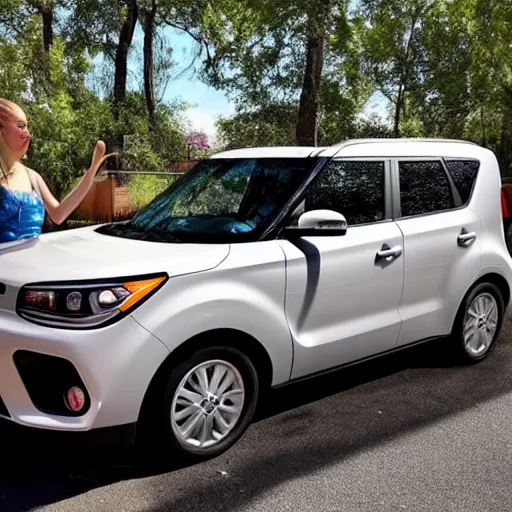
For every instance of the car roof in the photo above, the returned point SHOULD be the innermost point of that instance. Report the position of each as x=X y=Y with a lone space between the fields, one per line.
x=404 y=147
x=269 y=152
x=366 y=148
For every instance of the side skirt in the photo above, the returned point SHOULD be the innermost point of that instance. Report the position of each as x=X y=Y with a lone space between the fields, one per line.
x=360 y=361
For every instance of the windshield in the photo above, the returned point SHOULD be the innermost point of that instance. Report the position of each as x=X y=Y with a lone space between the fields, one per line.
x=218 y=200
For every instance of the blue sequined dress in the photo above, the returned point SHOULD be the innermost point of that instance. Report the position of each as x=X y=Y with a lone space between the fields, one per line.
x=21 y=215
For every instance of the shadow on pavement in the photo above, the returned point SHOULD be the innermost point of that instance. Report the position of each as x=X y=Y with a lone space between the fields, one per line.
x=300 y=429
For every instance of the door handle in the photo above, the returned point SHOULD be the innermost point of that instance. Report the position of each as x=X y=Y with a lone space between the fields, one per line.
x=389 y=253
x=465 y=237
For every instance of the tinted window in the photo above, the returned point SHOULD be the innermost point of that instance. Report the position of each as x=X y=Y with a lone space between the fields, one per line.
x=355 y=189
x=463 y=173
x=424 y=188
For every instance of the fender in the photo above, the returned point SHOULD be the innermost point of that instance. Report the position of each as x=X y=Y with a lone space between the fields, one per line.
x=251 y=301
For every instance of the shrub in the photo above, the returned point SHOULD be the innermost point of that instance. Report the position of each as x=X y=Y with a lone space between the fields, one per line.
x=142 y=188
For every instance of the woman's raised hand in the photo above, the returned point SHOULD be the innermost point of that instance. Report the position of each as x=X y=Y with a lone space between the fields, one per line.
x=99 y=157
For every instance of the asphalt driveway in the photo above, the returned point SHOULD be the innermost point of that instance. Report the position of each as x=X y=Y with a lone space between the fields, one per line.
x=406 y=432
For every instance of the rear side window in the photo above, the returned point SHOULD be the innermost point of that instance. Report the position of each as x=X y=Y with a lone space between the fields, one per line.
x=463 y=173
x=352 y=188
x=424 y=188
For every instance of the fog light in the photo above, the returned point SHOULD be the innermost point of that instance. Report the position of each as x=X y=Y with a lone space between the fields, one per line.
x=75 y=399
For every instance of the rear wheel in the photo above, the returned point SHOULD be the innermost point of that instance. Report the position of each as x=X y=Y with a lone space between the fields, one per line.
x=208 y=403
x=479 y=322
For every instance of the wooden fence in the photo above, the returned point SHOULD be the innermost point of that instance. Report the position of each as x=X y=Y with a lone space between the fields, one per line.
x=107 y=201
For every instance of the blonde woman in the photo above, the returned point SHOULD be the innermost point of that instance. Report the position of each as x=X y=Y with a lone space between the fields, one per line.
x=24 y=195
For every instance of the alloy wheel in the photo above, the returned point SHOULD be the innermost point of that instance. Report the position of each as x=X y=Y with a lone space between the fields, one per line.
x=208 y=404
x=480 y=324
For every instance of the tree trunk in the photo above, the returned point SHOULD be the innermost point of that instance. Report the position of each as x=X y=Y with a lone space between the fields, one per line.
x=121 y=70
x=398 y=110
x=404 y=75
x=45 y=9
x=148 y=24
x=121 y=65
x=46 y=12
x=482 y=124
x=306 y=129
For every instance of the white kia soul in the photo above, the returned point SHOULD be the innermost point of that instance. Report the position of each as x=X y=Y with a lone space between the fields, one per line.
x=257 y=268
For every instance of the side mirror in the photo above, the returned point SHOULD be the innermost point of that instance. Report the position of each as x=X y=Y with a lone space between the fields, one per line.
x=318 y=223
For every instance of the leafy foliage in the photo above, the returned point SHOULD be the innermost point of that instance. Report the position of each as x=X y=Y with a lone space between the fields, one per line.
x=143 y=188
x=271 y=125
x=66 y=116
x=444 y=68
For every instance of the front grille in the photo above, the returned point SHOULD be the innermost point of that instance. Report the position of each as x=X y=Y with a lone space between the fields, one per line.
x=3 y=409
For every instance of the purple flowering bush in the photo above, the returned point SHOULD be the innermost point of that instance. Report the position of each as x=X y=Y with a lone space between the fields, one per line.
x=197 y=143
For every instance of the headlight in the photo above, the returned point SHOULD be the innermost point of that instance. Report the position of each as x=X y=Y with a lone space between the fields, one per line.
x=85 y=305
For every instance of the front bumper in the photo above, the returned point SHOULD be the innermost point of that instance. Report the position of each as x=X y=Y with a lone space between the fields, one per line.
x=115 y=364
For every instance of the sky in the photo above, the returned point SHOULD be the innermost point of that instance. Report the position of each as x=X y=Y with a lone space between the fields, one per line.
x=206 y=103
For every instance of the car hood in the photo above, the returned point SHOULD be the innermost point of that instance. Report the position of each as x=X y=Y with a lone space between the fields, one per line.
x=85 y=254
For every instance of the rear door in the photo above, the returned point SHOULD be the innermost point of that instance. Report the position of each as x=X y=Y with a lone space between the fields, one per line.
x=442 y=248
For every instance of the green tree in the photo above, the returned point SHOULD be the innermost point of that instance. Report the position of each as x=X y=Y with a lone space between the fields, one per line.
x=465 y=73
x=267 y=53
x=392 y=50
x=271 y=125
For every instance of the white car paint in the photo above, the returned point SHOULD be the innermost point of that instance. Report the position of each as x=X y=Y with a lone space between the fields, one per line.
x=438 y=272
x=312 y=305
x=116 y=363
x=251 y=301
x=81 y=253
x=340 y=305
x=272 y=152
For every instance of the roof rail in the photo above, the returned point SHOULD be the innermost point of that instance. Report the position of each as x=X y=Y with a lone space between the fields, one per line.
x=353 y=142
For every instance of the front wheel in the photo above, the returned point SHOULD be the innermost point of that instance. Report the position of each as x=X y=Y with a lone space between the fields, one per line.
x=479 y=322
x=209 y=402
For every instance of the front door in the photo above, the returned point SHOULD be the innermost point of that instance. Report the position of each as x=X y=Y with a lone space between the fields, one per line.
x=343 y=292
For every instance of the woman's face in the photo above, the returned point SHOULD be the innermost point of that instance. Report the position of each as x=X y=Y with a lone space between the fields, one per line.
x=14 y=129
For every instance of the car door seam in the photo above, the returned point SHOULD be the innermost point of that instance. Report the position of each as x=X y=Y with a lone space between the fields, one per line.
x=285 y=309
x=404 y=255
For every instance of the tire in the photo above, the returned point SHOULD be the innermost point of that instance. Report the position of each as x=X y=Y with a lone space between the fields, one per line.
x=478 y=323
x=186 y=399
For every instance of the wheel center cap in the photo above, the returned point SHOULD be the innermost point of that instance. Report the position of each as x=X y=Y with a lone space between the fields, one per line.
x=208 y=407
x=482 y=322
x=212 y=398
x=210 y=403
